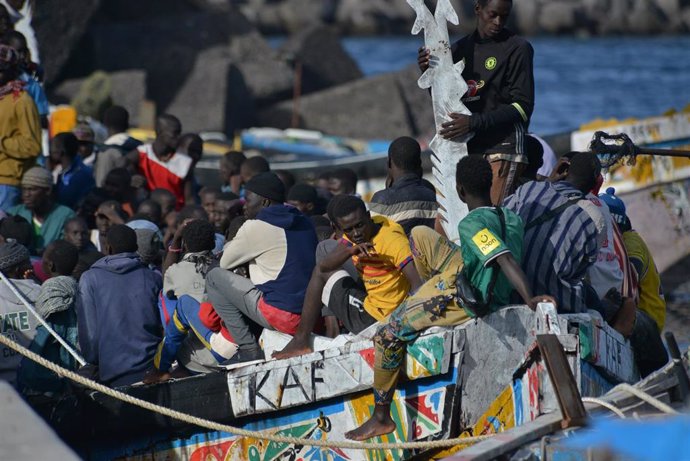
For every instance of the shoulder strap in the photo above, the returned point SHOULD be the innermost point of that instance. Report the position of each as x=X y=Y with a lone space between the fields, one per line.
x=549 y=215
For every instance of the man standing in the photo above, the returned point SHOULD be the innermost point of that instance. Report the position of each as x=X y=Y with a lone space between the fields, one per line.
x=408 y=200
x=500 y=76
x=119 y=143
x=20 y=129
x=75 y=180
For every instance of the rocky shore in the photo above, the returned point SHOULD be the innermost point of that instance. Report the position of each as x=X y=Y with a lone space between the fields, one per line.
x=208 y=62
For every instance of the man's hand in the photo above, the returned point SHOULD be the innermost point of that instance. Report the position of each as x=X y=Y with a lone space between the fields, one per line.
x=153 y=375
x=423 y=58
x=542 y=299
x=363 y=249
x=295 y=347
x=177 y=237
x=458 y=126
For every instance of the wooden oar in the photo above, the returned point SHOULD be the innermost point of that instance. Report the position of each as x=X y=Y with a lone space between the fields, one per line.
x=664 y=152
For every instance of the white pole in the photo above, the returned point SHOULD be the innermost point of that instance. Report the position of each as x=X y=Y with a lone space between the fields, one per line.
x=28 y=305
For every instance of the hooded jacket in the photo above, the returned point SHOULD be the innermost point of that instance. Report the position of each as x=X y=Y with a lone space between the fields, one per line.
x=280 y=247
x=17 y=323
x=119 y=325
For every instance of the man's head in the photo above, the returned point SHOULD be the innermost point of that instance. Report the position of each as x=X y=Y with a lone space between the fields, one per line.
x=60 y=258
x=14 y=259
x=263 y=190
x=303 y=197
x=116 y=119
x=17 y=228
x=351 y=217
x=150 y=210
x=492 y=16
x=37 y=185
x=405 y=156
x=252 y=167
x=120 y=239
x=168 y=130
x=165 y=199
x=584 y=171
x=17 y=41
x=199 y=235
x=118 y=184
x=535 y=157
x=76 y=232
x=230 y=165
x=343 y=181
x=9 y=64
x=324 y=180
x=103 y=223
x=63 y=149
x=287 y=178
x=225 y=208
x=208 y=196
x=86 y=137
x=191 y=145
x=473 y=178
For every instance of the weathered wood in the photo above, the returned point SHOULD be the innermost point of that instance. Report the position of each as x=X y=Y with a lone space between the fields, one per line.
x=563 y=381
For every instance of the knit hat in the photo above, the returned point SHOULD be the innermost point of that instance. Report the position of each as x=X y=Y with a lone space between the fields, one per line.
x=57 y=294
x=616 y=205
x=84 y=133
x=37 y=177
x=267 y=185
x=149 y=245
x=137 y=224
x=303 y=193
x=11 y=254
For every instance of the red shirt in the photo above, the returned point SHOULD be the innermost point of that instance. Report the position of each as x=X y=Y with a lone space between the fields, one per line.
x=168 y=175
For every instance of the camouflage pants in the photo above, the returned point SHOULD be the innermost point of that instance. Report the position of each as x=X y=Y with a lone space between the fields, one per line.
x=438 y=262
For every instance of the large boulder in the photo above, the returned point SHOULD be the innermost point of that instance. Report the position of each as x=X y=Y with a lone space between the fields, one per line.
x=125 y=88
x=647 y=18
x=285 y=17
x=420 y=112
x=324 y=61
x=558 y=16
x=59 y=27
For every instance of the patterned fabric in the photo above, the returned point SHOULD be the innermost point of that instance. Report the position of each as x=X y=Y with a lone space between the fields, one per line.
x=432 y=305
x=557 y=252
x=410 y=202
x=381 y=272
x=57 y=294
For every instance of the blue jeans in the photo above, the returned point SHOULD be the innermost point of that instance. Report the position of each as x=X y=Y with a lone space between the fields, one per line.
x=9 y=196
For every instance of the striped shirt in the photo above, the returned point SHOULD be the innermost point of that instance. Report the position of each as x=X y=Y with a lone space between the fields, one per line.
x=557 y=252
x=410 y=201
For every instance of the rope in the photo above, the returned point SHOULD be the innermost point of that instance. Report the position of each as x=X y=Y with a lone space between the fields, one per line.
x=233 y=430
x=642 y=395
x=605 y=404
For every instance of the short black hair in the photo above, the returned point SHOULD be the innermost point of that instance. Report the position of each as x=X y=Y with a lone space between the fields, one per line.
x=406 y=154
x=167 y=119
x=584 y=169
x=11 y=35
x=256 y=165
x=343 y=205
x=191 y=212
x=116 y=118
x=234 y=158
x=77 y=219
x=287 y=178
x=535 y=157
x=227 y=196
x=119 y=176
x=63 y=255
x=347 y=176
x=199 y=235
x=68 y=142
x=483 y=3
x=234 y=227
x=122 y=239
x=156 y=211
x=474 y=174
x=18 y=228
x=85 y=261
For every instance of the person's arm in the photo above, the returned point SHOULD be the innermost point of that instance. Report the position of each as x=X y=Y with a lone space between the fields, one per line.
x=174 y=251
x=25 y=141
x=245 y=247
x=87 y=317
x=340 y=254
x=518 y=279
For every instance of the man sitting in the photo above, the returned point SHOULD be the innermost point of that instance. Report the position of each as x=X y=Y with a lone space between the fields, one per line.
x=119 y=326
x=279 y=244
x=408 y=199
x=75 y=179
x=561 y=237
x=491 y=243
x=381 y=253
x=39 y=208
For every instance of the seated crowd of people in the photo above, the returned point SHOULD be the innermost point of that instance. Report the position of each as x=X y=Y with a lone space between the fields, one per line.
x=140 y=267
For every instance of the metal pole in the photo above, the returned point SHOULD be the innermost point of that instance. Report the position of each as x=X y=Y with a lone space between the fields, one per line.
x=31 y=309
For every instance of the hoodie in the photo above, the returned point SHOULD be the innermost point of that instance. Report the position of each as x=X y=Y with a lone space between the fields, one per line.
x=119 y=325
x=280 y=247
x=17 y=323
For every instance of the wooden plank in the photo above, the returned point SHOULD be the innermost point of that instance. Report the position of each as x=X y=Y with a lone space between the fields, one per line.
x=564 y=383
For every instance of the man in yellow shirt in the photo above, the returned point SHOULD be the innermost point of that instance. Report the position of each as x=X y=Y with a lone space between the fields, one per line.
x=20 y=129
x=380 y=251
x=650 y=353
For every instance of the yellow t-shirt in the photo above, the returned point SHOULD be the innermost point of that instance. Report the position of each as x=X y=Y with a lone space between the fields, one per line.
x=381 y=273
x=651 y=294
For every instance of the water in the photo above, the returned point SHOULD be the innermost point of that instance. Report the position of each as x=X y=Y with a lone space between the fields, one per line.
x=577 y=80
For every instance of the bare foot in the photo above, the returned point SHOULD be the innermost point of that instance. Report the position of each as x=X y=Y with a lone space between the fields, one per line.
x=153 y=376
x=294 y=348
x=372 y=428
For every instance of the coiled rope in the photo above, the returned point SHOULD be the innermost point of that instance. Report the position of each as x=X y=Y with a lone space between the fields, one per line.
x=233 y=430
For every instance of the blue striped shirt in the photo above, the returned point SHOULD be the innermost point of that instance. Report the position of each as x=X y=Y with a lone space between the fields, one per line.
x=558 y=252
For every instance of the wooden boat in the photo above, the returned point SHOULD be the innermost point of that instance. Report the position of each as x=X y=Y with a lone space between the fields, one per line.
x=478 y=378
